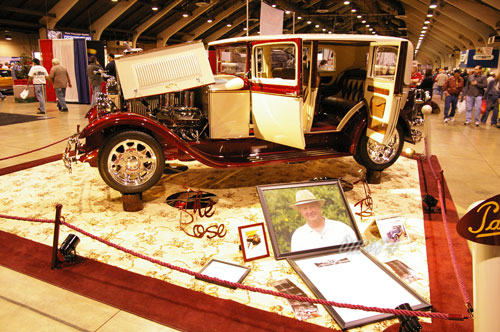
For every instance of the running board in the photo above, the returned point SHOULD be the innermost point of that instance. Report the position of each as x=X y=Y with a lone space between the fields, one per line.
x=296 y=155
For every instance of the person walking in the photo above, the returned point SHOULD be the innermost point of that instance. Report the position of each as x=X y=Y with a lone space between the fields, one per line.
x=441 y=78
x=492 y=94
x=39 y=76
x=452 y=88
x=473 y=92
x=60 y=80
x=95 y=79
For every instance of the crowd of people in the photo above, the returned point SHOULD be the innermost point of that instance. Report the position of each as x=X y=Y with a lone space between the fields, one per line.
x=478 y=90
x=60 y=79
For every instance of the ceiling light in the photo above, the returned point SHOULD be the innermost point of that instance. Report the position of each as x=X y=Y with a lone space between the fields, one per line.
x=273 y=5
x=245 y=29
x=429 y=13
x=368 y=25
x=8 y=36
x=202 y=3
x=229 y=24
x=324 y=29
x=433 y=4
x=364 y=21
x=427 y=21
x=299 y=17
x=371 y=29
x=425 y=28
x=346 y=2
x=114 y=0
x=309 y=22
x=353 y=10
x=287 y=12
x=186 y=14
x=359 y=16
x=316 y=26
x=210 y=20
x=329 y=32
x=154 y=8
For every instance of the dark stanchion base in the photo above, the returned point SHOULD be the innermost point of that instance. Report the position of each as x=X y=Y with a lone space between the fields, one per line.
x=373 y=177
x=132 y=202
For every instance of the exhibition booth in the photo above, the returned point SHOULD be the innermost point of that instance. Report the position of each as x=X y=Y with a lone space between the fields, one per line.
x=406 y=242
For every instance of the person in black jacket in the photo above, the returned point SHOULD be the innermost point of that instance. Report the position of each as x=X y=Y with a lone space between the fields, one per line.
x=111 y=66
x=492 y=94
x=427 y=82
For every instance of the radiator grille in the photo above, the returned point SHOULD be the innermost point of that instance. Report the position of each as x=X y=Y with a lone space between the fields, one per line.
x=167 y=70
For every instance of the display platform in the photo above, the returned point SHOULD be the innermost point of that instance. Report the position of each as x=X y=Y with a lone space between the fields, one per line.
x=89 y=204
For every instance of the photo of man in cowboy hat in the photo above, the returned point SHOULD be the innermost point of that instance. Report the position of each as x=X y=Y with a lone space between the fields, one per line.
x=318 y=231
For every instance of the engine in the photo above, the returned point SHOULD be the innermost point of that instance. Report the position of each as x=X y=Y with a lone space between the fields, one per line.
x=180 y=115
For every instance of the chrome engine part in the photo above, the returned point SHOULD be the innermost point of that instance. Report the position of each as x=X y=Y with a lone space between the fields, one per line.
x=180 y=115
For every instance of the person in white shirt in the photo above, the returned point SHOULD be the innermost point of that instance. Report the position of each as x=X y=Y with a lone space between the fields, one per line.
x=39 y=76
x=318 y=231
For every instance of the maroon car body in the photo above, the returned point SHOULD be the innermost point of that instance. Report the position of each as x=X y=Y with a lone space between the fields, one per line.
x=271 y=100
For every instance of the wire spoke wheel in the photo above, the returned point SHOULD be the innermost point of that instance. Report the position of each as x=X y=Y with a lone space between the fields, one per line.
x=382 y=154
x=131 y=161
x=377 y=157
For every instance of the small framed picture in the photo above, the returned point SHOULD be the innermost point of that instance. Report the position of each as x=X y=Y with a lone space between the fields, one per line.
x=224 y=271
x=392 y=229
x=253 y=242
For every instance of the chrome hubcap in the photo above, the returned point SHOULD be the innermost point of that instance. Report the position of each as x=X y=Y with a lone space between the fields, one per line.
x=381 y=154
x=132 y=162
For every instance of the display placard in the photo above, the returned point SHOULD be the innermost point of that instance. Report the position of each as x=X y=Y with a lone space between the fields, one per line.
x=355 y=277
x=224 y=271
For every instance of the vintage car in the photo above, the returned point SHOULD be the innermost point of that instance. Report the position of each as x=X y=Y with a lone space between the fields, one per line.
x=6 y=81
x=266 y=99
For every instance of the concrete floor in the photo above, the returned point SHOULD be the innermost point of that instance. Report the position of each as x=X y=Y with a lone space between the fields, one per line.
x=469 y=156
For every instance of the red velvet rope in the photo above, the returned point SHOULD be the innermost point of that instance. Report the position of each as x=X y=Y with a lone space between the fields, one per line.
x=43 y=147
x=438 y=315
x=458 y=274
x=27 y=219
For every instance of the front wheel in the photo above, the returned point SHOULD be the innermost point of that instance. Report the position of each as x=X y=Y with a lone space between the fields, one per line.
x=131 y=161
x=377 y=157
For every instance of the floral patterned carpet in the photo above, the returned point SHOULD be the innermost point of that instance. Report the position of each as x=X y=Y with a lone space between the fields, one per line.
x=90 y=204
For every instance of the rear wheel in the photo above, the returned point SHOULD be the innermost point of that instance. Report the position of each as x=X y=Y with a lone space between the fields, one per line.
x=131 y=161
x=377 y=157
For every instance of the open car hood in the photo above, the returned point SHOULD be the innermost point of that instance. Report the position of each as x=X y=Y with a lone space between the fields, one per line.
x=164 y=70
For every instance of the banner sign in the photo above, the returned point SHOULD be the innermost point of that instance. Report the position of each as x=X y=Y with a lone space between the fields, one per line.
x=271 y=20
x=483 y=53
x=482 y=223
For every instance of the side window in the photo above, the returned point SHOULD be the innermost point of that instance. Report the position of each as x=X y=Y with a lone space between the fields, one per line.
x=327 y=59
x=276 y=61
x=385 y=62
x=232 y=60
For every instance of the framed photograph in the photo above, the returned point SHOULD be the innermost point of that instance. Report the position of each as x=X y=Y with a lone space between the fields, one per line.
x=392 y=229
x=224 y=271
x=355 y=277
x=307 y=217
x=253 y=242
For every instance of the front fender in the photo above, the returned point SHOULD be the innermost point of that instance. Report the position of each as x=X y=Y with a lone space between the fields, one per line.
x=159 y=131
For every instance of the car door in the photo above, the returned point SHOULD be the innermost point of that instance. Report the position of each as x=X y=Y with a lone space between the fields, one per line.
x=275 y=92
x=384 y=87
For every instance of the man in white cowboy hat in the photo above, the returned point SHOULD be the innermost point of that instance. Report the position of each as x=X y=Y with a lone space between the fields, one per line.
x=318 y=231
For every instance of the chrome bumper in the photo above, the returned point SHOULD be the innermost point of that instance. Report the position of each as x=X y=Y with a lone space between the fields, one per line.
x=68 y=157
